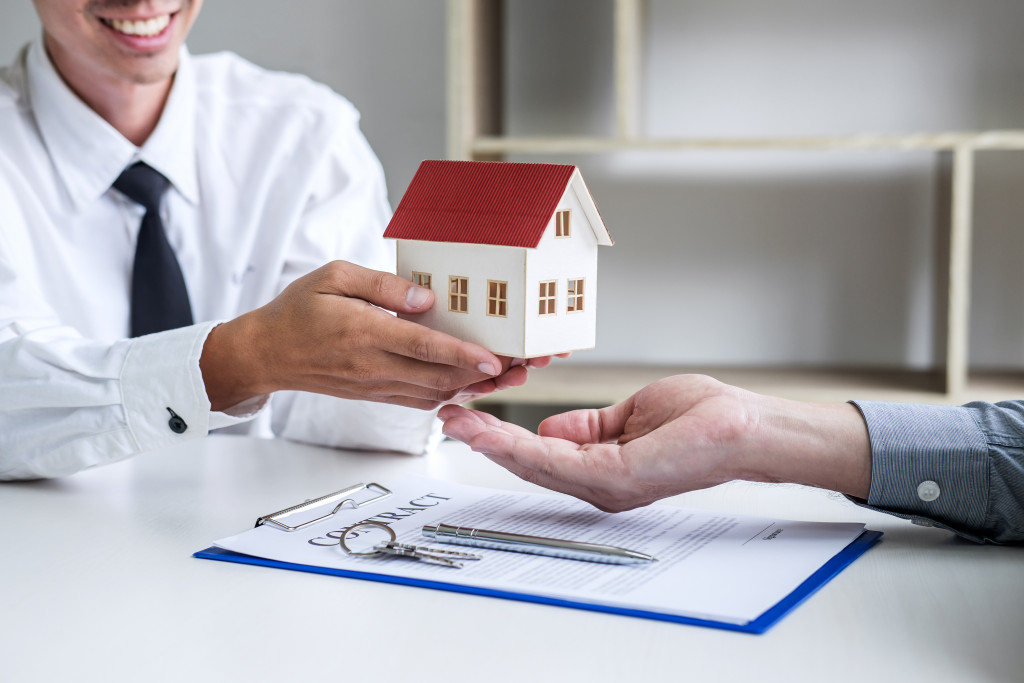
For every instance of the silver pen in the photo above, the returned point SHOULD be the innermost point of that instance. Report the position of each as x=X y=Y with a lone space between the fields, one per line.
x=535 y=545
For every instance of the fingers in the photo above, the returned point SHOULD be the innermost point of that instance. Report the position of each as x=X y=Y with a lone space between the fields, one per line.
x=483 y=432
x=593 y=473
x=378 y=287
x=412 y=340
x=383 y=391
x=464 y=424
x=400 y=337
x=513 y=447
x=514 y=377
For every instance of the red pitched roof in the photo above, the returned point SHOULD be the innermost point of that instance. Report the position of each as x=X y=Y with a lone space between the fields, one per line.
x=481 y=202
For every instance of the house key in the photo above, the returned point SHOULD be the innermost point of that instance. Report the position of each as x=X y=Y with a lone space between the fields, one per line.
x=447 y=558
x=443 y=557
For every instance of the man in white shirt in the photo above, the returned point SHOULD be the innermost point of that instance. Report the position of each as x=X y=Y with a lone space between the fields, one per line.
x=268 y=179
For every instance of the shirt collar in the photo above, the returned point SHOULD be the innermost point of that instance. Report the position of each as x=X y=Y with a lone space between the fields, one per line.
x=89 y=154
x=170 y=149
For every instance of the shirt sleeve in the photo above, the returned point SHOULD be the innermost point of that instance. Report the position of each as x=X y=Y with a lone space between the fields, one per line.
x=960 y=468
x=68 y=402
x=344 y=218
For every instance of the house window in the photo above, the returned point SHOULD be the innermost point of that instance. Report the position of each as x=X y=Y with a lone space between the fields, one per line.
x=547 y=298
x=497 y=298
x=574 y=295
x=421 y=279
x=562 y=223
x=458 y=294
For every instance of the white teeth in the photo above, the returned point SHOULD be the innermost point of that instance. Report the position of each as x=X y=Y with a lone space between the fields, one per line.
x=150 y=27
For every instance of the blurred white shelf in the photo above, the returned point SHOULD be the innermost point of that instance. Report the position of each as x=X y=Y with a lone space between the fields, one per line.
x=475 y=104
x=575 y=384
x=949 y=141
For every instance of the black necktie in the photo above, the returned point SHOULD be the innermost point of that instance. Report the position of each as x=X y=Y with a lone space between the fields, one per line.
x=159 y=296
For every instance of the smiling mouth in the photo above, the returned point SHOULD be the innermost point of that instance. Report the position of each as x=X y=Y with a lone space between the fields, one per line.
x=143 y=28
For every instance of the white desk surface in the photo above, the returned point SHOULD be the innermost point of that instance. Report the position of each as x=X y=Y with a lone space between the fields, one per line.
x=99 y=585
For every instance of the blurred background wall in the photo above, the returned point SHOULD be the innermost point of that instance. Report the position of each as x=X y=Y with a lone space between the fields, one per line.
x=723 y=258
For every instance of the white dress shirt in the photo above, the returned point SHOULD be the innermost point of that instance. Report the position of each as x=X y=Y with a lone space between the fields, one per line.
x=270 y=179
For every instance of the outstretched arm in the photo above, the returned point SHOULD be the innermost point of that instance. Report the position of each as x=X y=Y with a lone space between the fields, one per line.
x=676 y=435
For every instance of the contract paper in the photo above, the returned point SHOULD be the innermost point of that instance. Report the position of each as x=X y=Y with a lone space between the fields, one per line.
x=710 y=565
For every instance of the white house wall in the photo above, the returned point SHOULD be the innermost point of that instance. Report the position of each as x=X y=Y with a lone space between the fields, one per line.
x=559 y=258
x=479 y=263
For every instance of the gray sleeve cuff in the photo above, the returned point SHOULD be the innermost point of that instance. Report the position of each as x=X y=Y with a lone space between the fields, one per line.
x=929 y=464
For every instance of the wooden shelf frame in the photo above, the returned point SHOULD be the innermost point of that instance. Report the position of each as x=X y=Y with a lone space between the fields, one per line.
x=564 y=385
x=475 y=131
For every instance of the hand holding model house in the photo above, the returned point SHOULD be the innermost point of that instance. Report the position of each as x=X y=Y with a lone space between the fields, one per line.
x=510 y=250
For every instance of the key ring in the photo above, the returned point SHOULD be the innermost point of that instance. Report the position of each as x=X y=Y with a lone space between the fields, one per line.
x=363 y=525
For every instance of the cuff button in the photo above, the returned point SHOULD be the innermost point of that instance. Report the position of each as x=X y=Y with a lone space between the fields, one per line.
x=177 y=425
x=928 y=491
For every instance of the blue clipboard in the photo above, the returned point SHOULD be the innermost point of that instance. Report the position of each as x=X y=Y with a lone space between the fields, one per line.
x=768 y=619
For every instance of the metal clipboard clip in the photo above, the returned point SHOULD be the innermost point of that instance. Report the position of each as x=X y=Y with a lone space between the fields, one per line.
x=347 y=499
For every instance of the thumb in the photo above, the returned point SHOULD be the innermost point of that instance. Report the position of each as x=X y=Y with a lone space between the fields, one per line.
x=588 y=425
x=375 y=286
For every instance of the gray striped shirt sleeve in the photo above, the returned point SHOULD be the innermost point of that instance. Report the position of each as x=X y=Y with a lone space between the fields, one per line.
x=960 y=468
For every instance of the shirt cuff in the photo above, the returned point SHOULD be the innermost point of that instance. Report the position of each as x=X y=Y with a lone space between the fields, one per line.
x=239 y=413
x=163 y=393
x=928 y=464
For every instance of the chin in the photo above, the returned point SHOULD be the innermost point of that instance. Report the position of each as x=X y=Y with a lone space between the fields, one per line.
x=155 y=70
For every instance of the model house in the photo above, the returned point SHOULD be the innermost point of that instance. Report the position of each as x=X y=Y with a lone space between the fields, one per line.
x=510 y=251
